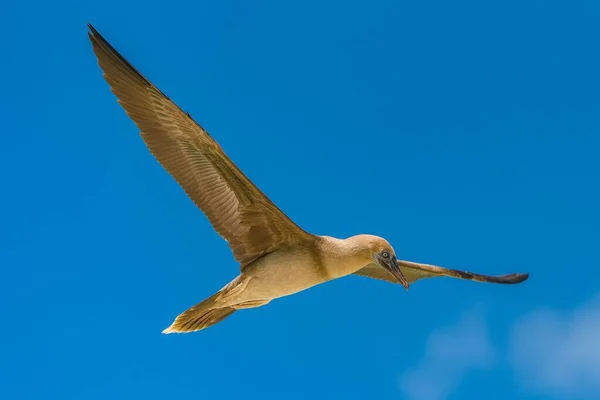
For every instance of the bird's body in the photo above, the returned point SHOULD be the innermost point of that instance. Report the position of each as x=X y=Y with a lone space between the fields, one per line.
x=277 y=258
x=285 y=272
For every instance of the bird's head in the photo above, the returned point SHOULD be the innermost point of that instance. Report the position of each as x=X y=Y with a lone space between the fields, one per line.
x=378 y=250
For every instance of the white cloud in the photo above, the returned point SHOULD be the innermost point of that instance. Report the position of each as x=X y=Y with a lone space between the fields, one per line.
x=557 y=353
x=451 y=353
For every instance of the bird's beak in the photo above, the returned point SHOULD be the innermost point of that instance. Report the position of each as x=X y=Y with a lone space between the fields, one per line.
x=392 y=266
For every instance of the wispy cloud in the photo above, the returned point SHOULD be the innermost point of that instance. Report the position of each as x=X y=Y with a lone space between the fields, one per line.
x=450 y=354
x=558 y=353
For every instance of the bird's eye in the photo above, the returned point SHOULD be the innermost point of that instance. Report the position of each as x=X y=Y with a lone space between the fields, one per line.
x=385 y=254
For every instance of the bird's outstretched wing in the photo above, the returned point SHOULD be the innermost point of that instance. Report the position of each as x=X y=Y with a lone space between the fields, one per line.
x=414 y=271
x=237 y=209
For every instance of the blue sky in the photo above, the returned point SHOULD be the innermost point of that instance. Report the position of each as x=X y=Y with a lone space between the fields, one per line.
x=484 y=118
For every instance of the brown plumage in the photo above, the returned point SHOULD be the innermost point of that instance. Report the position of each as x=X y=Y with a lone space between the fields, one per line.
x=277 y=258
x=414 y=271
x=237 y=209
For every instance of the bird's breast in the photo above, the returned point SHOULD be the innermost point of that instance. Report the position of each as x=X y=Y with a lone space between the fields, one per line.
x=283 y=273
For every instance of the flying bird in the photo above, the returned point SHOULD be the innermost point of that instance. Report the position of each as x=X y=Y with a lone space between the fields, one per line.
x=277 y=258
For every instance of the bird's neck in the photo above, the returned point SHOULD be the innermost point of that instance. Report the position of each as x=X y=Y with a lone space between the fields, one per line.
x=341 y=257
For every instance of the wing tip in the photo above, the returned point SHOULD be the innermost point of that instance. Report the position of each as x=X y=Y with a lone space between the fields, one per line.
x=508 y=279
x=91 y=30
x=516 y=278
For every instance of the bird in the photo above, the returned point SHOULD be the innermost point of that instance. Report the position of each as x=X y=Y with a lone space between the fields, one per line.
x=276 y=257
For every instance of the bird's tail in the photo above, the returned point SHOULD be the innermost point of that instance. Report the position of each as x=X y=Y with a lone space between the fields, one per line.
x=200 y=316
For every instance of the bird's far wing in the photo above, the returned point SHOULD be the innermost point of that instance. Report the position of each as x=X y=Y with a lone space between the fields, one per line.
x=414 y=271
x=237 y=209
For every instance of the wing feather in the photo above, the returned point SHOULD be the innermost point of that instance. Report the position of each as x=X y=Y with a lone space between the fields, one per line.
x=414 y=271
x=243 y=215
